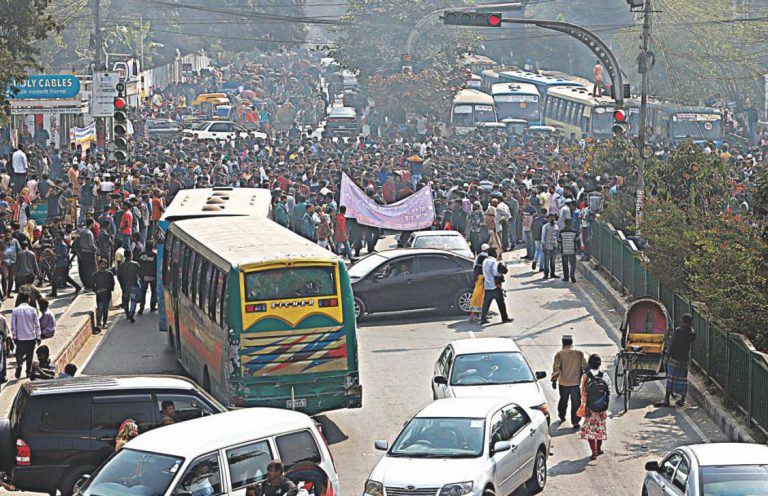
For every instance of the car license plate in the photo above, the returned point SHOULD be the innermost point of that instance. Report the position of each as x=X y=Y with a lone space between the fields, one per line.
x=296 y=403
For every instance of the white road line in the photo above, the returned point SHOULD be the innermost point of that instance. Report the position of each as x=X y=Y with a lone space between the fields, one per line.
x=695 y=428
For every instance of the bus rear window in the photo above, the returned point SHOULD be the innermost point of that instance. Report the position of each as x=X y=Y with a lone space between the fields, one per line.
x=290 y=282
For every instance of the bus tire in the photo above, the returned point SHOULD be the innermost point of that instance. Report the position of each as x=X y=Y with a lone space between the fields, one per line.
x=359 y=309
x=206 y=380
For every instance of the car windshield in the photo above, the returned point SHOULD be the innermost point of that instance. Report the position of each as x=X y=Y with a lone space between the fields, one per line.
x=200 y=126
x=426 y=437
x=481 y=369
x=440 y=242
x=366 y=265
x=133 y=472
x=737 y=480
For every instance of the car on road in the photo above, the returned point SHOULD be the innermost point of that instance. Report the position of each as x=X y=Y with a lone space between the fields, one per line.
x=58 y=431
x=488 y=367
x=729 y=469
x=219 y=455
x=411 y=279
x=218 y=130
x=342 y=121
x=451 y=241
x=464 y=447
x=164 y=128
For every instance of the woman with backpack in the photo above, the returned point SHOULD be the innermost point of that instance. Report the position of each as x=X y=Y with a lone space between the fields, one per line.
x=595 y=394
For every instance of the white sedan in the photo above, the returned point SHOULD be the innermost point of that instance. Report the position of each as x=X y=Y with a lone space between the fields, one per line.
x=464 y=447
x=490 y=367
x=218 y=130
x=441 y=240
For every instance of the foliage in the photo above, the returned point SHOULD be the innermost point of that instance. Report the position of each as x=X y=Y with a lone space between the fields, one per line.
x=669 y=247
x=428 y=92
x=617 y=160
x=22 y=24
x=373 y=35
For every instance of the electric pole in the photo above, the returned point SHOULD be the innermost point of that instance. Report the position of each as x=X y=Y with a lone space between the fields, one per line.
x=98 y=67
x=645 y=63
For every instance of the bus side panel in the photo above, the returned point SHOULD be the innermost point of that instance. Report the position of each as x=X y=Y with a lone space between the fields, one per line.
x=162 y=319
x=202 y=347
x=350 y=324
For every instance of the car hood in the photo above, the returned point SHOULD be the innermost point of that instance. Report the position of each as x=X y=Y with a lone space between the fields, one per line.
x=423 y=472
x=527 y=394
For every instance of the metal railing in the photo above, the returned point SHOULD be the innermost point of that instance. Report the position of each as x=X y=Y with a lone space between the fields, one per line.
x=727 y=358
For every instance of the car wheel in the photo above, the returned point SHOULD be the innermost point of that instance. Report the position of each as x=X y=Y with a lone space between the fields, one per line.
x=539 y=478
x=68 y=483
x=645 y=490
x=489 y=492
x=462 y=301
x=359 y=309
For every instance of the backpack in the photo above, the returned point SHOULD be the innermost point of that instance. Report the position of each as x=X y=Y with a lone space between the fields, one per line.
x=598 y=393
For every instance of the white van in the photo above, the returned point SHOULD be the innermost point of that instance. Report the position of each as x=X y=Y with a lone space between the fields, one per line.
x=219 y=454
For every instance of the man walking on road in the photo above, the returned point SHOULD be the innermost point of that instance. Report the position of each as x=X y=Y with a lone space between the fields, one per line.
x=86 y=254
x=103 y=285
x=148 y=275
x=549 y=244
x=567 y=368
x=25 y=330
x=568 y=240
x=679 y=356
x=26 y=266
x=128 y=276
x=20 y=166
x=492 y=288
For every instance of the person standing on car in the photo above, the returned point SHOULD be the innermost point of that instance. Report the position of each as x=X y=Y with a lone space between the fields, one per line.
x=25 y=330
x=567 y=368
x=276 y=484
x=595 y=394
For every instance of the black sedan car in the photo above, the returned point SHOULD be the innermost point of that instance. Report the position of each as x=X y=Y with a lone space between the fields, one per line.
x=411 y=279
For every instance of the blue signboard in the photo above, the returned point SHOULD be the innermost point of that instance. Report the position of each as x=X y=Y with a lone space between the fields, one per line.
x=46 y=87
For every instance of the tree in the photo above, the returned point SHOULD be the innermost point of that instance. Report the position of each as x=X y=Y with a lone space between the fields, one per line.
x=22 y=23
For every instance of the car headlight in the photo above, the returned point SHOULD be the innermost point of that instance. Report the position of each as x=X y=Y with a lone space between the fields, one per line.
x=373 y=488
x=456 y=489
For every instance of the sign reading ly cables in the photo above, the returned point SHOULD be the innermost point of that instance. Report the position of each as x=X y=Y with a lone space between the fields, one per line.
x=46 y=87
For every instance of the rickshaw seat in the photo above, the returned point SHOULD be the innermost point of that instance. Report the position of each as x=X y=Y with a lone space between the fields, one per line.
x=650 y=343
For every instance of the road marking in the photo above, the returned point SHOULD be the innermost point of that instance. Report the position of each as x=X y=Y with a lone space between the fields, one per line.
x=472 y=334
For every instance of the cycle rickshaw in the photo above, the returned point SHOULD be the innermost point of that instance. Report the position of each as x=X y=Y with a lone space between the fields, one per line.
x=644 y=335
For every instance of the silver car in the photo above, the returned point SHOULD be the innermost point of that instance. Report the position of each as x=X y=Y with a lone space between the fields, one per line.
x=463 y=447
x=732 y=469
x=441 y=240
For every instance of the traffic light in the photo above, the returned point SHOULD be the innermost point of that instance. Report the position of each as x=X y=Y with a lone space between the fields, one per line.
x=477 y=19
x=120 y=135
x=620 y=122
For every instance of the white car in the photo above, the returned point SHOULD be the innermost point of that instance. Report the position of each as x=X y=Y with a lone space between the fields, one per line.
x=738 y=469
x=218 y=130
x=488 y=367
x=464 y=447
x=441 y=240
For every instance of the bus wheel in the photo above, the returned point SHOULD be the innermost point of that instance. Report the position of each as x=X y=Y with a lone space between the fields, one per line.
x=359 y=309
x=206 y=380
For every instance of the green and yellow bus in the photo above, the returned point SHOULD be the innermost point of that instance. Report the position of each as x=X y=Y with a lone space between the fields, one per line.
x=259 y=316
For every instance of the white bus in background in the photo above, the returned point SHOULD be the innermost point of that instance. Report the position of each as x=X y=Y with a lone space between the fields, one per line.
x=470 y=108
x=517 y=101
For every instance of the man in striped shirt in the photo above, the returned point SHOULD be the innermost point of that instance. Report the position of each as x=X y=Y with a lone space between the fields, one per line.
x=569 y=242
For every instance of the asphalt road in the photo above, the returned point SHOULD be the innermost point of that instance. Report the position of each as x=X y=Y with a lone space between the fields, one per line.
x=397 y=353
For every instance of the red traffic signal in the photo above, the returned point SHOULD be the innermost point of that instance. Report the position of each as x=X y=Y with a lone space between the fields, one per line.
x=476 y=19
x=620 y=115
x=120 y=103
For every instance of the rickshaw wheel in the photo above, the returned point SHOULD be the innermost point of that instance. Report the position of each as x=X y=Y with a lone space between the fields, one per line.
x=628 y=390
x=618 y=371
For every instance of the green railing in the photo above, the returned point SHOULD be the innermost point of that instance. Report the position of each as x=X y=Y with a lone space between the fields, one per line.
x=727 y=358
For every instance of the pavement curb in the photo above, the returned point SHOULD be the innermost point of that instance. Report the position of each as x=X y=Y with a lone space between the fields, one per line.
x=82 y=322
x=712 y=405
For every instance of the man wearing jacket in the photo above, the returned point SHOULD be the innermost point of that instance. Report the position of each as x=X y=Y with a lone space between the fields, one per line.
x=569 y=242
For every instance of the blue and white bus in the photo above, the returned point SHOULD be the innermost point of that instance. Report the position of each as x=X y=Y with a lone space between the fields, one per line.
x=677 y=123
x=542 y=83
x=517 y=101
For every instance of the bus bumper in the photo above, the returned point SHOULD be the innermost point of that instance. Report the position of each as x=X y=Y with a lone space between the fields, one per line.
x=311 y=404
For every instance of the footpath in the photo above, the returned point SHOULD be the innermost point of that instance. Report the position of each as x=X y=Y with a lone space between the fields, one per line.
x=729 y=421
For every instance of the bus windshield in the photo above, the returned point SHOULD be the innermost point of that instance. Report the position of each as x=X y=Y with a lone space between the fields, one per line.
x=517 y=107
x=290 y=282
x=698 y=129
x=484 y=113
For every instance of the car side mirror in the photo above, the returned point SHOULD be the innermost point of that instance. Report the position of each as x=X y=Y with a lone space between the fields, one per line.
x=441 y=379
x=500 y=446
x=652 y=466
x=541 y=375
x=381 y=445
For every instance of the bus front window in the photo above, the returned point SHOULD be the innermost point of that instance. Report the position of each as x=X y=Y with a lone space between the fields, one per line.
x=484 y=113
x=524 y=107
x=290 y=282
x=697 y=130
x=462 y=116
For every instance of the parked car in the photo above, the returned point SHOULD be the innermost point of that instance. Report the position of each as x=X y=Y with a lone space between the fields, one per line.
x=59 y=430
x=451 y=241
x=464 y=447
x=342 y=121
x=164 y=128
x=709 y=469
x=221 y=455
x=218 y=130
x=488 y=367
x=411 y=279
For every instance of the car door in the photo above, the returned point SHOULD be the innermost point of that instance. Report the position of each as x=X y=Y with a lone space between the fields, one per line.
x=662 y=480
x=680 y=479
x=61 y=434
x=524 y=440
x=443 y=368
x=436 y=281
x=389 y=288
x=187 y=406
x=202 y=477
x=504 y=463
x=247 y=464
x=217 y=130
x=108 y=412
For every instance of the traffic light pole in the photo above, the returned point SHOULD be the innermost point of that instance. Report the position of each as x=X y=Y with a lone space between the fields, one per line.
x=97 y=67
x=645 y=64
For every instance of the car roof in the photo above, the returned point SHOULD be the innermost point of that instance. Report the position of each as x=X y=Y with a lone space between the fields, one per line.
x=484 y=345
x=343 y=111
x=420 y=234
x=205 y=434
x=729 y=454
x=109 y=383
x=462 y=407
x=390 y=254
